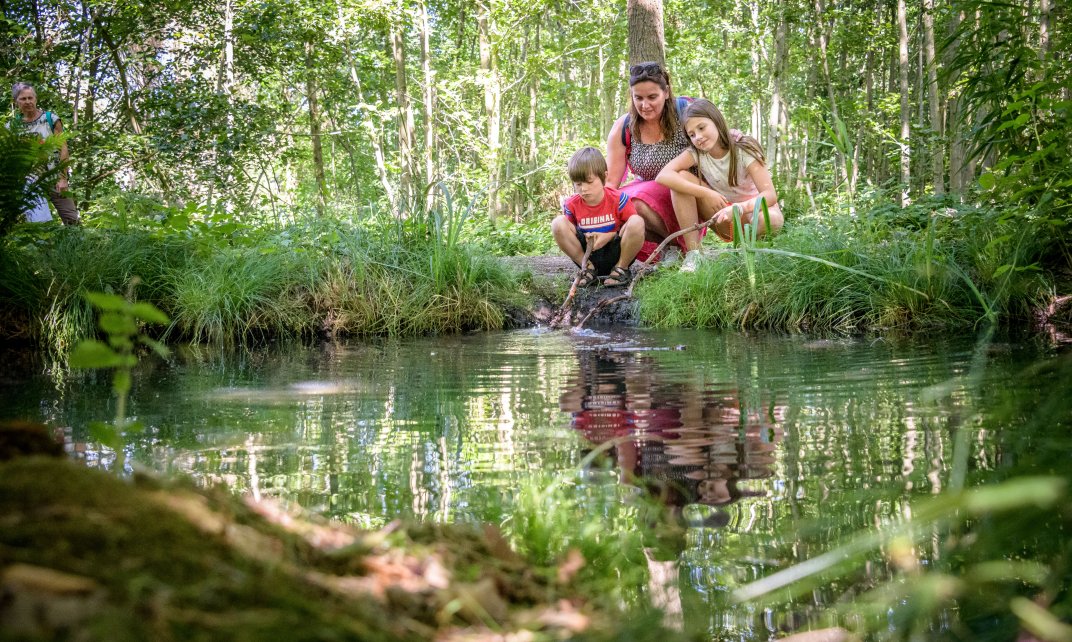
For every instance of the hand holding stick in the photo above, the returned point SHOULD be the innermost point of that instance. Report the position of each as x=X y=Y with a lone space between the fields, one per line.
x=563 y=312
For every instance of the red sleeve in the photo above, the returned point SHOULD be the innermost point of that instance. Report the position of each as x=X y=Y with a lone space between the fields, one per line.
x=567 y=208
x=625 y=208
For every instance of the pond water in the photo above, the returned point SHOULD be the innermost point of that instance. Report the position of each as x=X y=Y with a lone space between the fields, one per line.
x=742 y=437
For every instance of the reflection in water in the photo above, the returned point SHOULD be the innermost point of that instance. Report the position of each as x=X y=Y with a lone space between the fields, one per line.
x=747 y=440
x=694 y=444
x=695 y=447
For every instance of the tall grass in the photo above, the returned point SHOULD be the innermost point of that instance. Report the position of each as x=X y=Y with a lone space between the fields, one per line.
x=45 y=272
x=238 y=294
x=244 y=284
x=848 y=275
x=592 y=517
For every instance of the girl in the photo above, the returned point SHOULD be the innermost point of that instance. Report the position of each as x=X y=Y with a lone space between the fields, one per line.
x=733 y=167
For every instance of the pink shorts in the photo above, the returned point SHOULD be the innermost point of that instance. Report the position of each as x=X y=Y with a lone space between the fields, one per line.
x=657 y=197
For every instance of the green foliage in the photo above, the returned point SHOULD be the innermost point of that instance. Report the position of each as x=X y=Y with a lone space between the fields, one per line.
x=1017 y=88
x=121 y=321
x=969 y=559
x=239 y=293
x=24 y=174
x=849 y=275
x=593 y=515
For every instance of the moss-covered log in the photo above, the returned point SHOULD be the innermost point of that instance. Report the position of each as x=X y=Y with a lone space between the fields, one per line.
x=85 y=554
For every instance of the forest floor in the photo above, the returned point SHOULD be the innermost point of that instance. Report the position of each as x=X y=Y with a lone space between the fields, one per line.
x=87 y=555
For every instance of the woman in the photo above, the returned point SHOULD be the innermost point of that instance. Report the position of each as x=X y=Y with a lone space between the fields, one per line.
x=644 y=141
x=46 y=124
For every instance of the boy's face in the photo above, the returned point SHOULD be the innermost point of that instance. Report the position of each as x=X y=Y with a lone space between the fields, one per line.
x=590 y=189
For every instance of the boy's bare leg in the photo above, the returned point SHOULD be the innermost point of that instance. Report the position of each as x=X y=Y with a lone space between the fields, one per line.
x=654 y=226
x=632 y=234
x=565 y=235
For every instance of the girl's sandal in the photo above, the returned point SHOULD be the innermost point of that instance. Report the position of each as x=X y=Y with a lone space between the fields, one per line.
x=619 y=275
x=587 y=278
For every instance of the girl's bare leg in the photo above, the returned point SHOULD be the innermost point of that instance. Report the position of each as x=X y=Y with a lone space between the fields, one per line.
x=690 y=211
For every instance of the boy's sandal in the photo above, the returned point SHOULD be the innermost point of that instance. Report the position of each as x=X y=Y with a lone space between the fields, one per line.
x=621 y=276
x=587 y=278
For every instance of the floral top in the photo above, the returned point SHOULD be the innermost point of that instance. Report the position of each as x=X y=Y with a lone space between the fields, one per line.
x=647 y=160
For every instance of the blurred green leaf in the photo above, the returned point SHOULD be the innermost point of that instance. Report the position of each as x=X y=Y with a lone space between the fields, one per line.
x=91 y=353
x=149 y=313
x=107 y=302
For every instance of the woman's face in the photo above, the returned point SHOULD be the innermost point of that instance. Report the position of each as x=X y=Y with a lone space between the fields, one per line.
x=27 y=102
x=649 y=99
x=702 y=132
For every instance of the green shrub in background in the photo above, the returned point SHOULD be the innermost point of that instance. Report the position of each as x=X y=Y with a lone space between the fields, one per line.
x=24 y=174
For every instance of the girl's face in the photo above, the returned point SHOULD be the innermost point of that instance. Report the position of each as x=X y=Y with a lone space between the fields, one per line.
x=27 y=102
x=649 y=99
x=703 y=133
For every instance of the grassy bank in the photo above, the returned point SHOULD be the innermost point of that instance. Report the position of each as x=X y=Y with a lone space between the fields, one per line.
x=924 y=267
x=227 y=283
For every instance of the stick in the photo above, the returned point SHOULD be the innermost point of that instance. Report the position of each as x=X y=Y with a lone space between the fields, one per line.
x=643 y=269
x=562 y=312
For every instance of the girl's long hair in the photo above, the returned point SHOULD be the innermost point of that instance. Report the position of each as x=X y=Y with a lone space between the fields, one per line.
x=668 y=122
x=732 y=140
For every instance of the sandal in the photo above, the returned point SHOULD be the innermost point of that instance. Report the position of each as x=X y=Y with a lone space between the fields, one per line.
x=586 y=278
x=621 y=276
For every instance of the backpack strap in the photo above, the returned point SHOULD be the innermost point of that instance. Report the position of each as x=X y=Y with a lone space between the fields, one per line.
x=51 y=122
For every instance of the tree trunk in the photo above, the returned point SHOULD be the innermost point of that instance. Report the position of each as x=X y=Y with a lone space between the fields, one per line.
x=314 y=130
x=372 y=129
x=902 y=39
x=937 y=147
x=405 y=117
x=90 y=123
x=224 y=87
x=429 y=104
x=84 y=43
x=489 y=73
x=757 y=51
x=1044 y=29
x=823 y=36
x=646 y=40
x=39 y=29
x=777 y=71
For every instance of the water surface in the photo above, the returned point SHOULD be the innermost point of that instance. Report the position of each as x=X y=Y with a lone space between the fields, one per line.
x=738 y=435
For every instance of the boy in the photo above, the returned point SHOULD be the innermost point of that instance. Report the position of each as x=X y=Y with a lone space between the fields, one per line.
x=601 y=216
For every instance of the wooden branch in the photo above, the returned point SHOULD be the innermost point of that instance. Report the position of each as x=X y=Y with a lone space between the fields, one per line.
x=643 y=269
x=563 y=312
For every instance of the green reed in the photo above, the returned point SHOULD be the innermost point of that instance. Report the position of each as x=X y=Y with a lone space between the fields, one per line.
x=846 y=275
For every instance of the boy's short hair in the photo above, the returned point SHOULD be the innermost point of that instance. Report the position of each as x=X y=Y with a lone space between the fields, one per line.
x=588 y=161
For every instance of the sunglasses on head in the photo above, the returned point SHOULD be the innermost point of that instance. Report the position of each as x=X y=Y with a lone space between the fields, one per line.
x=646 y=69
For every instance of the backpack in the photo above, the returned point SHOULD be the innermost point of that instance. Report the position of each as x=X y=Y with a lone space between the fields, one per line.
x=682 y=102
x=52 y=123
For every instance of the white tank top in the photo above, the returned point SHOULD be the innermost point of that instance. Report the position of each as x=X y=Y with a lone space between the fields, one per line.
x=716 y=172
